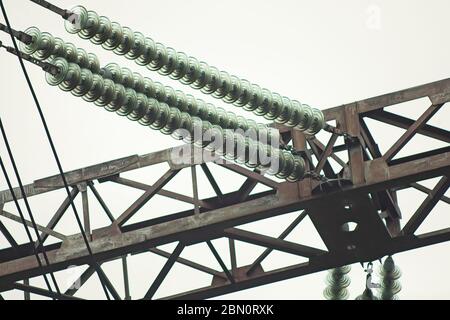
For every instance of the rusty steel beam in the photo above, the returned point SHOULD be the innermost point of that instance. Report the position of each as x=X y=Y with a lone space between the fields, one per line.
x=420 y=187
x=44 y=230
x=437 y=92
x=211 y=180
x=412 y=130
x=113 y=243
x=220 y=261
x=282 y=236
x=187 y=262
x=101 y=202
x=164 y=271
x=149 y=193
x=257 y=209
x=42 y=292
x=58 y=214
x=272 y=243
x=8 y=236
x=368 y=182
x=405 y=123
x=427 y=205
x=162 y=192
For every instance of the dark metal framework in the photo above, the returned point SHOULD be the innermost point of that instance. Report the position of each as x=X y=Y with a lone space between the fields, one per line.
x=363 y=191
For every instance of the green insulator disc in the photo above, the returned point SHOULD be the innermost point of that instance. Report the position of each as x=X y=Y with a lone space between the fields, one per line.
x=93 y=63
x=243 y=148
x=149 y=88
x=138 y=47
x=63 y=66
x=318 y=122
x=257 y=97
x=108 y=94
x=213 y=83
x=127 y=42
x=221 y=142
x=231 y=151
x=204 y=78
x=83 y=58
x=213 y=115
x=97 y=89
x=104 y=31
x=235 y=91
x=151 y=114
x=277 y=160
x=245 y=95
x=306 y=119
x=224 y=86
x=130 y=103
x=232 y=120
x=286 y=112
x=115 y=39
x=120 y=98
x=47 y=46
x=276 y=107
x=159 y=91
x=185 y=126
x=209 y=138
x=193 y=106
x=242 y=123
x=171 y=64
x=86 y=84
x=181 y=100
x=113 y=72
x=181 y=67
x=193 y=72
x=140 y=108
x=161 y=58
x=77 y=21
x=59 y=48
x=200 y=139
x=71 y=53
x=288 y=165
x=162 y=117
x=148 y=54
x=170 y=96
x=173 y=123
x=253 y=158
x=127 y=77
x=222 y=118
x=138 y=83
x=92 y=26
x=266 y=104
x=73 y=78
x=36 y=41
x=298 y=172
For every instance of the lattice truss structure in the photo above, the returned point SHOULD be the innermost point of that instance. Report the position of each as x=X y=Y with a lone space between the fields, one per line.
x=338 y=178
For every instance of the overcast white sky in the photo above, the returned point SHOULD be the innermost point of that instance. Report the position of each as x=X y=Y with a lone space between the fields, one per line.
x=324 y=53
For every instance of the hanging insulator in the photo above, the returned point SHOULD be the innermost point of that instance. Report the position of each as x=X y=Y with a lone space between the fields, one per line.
x=187 y=103
x=390 y=285
x=337 y=282
x=44 y=45
x=367 y=295
x=169 y=120
x=199 y=75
